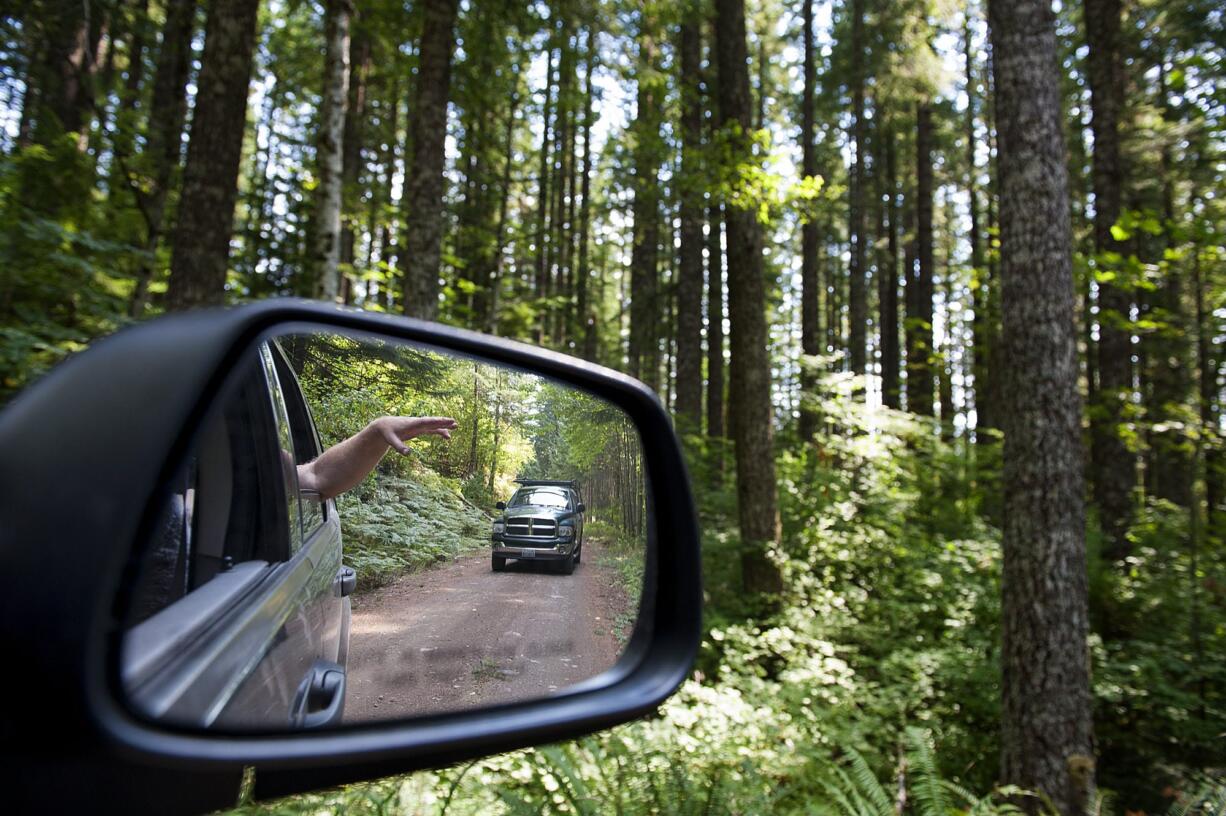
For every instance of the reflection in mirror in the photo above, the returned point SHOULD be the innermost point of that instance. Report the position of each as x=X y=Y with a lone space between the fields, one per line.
x=369 y=530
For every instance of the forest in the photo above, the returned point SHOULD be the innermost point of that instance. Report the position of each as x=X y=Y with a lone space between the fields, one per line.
x=934 y=290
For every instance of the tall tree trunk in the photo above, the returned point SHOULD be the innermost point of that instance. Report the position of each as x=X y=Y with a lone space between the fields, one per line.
x=423 y=196
x=810 y=297
x=497 y=429
x=587 y=315
x=64 y=78
x=563 y=152
x=919 y=369
x=752 y=414
x=487 y=298
x=835 y=339
x=164 y=145
x=644 y=255
x=474 y=424
x=543 y=191
x=1170 y=469
x=1113 y=465
x=66 y=45
x=210 y=177
x=1047 y=735
x=360 y=57
x=689 y=270
x=981 y=327
x=329 y=152
x=716 y=427
x=135 y=76
x=950 y=341
x=857 y=301
x=911 y=324
x=1207 y=393
x=888 y=281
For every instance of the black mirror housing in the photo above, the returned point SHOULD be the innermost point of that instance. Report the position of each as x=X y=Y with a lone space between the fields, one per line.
x=500 y=505
x=88 y=451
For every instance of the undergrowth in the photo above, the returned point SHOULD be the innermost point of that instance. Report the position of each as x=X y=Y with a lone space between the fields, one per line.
x=623 y=555
x=407 y=521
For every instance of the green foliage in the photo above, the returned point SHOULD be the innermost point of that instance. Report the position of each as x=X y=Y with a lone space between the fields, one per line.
x=399 y=525
x=61 y=281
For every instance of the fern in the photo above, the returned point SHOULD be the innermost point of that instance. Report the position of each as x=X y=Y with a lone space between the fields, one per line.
x=570 y=780
x=930 y=792
x=1209 y=800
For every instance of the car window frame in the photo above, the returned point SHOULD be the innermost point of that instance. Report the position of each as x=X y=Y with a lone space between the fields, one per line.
x=302 y=429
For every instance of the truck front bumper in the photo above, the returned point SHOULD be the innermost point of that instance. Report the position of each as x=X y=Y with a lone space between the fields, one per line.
x=536 y=550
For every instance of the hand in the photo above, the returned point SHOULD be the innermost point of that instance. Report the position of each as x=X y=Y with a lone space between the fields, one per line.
x=396 y=430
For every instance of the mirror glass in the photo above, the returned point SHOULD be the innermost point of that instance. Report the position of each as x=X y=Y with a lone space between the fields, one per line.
x=369 y=530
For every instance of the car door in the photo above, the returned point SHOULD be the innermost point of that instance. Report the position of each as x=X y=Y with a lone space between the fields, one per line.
x=240 y=616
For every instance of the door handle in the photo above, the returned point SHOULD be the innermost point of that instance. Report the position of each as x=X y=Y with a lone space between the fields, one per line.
x=345 y=582
x=320 y=699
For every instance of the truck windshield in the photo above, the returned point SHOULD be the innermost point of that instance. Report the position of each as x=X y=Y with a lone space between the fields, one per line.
x=539 y=498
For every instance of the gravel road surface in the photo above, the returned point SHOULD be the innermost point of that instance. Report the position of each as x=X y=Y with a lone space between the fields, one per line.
x=462 y=636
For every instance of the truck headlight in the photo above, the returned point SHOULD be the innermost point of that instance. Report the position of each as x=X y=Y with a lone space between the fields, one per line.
x=498 y=527
x=566 y=532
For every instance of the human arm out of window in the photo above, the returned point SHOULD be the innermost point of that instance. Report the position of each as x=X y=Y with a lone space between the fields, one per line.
x=347 y=463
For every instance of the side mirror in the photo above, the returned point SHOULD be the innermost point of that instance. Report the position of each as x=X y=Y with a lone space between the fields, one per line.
x=142 y=670
x=580 y=507
x=500 y=505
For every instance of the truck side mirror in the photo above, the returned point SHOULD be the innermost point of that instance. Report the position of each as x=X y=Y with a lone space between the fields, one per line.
x=500 y=506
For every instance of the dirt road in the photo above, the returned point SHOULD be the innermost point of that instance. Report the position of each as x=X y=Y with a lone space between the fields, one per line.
x=462 y=636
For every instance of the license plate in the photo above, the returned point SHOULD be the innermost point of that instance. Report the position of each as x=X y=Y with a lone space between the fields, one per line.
x=527 y=553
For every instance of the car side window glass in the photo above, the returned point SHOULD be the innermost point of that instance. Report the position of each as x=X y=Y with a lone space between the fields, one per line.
x=221 y=510
x=285 y=439
x=306 y=441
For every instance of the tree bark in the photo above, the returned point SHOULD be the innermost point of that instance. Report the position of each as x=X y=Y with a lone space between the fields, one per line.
x=716 y=427
x=920 y=379
x=1170 y=470
x=1114 y=466
x=64 y=77
x=424 y=181
x=911 y=300
x=360 y=57
x=543 y=192
x=689 y=270
x=752 y=415
x=210 y=177
x=329 y=152
x=887 y=267
x=559 y=245
x=164 y=146
x=810 y=297
x=645 y=310
x=981 y=327
x=857 y=300
x=487 y=298
x=587 y=315
x=1047 y=735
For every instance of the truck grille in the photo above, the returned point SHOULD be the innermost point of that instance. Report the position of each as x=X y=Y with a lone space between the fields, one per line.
x=532 y=528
